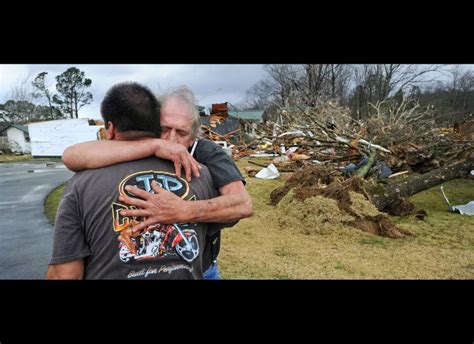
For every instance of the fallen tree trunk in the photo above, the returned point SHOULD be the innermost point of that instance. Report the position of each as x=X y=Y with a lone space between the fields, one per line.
x=384 y=196
x=361 y=172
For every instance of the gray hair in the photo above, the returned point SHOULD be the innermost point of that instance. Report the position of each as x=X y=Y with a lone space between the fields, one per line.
x=185 y=96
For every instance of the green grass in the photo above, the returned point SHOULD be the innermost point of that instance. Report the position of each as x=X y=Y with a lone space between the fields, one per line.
x=7 y=158
x=55 y=159
x=441 y=227
x=375 y=241
x=52 y=202
x=259 y=248
x=14 y=157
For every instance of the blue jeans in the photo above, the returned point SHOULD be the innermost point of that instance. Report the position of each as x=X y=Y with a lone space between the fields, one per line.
x=212 y=273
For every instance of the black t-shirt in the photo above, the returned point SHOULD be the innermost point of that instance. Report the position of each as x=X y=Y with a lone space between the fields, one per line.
x=223 y=171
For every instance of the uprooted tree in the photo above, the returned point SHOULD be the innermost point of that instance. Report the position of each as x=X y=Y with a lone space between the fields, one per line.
x=387 y=197
x=413 y=147
x=353 y=201
x=358 y=211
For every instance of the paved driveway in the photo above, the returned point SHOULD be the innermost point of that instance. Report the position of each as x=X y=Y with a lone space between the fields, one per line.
x=25 y=233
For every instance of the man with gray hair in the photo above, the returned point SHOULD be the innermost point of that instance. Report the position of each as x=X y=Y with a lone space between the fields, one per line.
x=180 y=126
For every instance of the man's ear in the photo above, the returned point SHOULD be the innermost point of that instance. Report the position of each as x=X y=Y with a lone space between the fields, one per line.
x=110 y=131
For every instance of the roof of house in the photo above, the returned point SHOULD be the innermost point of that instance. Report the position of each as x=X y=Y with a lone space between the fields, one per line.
x=253 y=115
x=4 y=127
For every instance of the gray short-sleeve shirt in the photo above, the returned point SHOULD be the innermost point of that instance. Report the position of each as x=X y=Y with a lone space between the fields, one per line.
x=89 y=225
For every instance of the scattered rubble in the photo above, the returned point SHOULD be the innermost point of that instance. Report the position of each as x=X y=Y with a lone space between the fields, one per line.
x=368 y=167
x=327 y=135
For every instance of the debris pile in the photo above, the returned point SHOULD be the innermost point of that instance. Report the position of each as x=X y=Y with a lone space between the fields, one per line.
x=404 y=139
x=369 y=167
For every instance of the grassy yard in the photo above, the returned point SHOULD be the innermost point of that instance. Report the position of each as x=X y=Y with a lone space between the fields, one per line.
x=259 y=248
x=51 y=203
x=442 y=247
x=14 y=157
x=6 y=158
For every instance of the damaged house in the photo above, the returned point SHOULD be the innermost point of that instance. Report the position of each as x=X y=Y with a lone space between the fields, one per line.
x=230 y=126
x=248 y=119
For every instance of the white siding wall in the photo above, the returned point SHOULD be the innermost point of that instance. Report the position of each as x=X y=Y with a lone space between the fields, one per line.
x=17 y=141
x=53 y=137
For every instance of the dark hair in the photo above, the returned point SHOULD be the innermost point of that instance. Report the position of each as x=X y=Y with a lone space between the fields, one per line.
x=131 y=106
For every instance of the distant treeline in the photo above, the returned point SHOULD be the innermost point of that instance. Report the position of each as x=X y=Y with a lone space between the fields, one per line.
x=33 y=100
x=446 y=90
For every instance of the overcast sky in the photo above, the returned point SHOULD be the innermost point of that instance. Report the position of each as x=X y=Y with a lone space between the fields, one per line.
x=210 y=83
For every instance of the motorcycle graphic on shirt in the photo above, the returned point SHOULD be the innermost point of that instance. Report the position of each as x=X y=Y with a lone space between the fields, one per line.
x=158 y=240
x=161 y=243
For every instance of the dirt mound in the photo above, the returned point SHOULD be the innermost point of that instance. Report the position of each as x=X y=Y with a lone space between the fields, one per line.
x=303 y=179
x=380 y=225
x=360 y=207
x=316 y=214
x=319 y=208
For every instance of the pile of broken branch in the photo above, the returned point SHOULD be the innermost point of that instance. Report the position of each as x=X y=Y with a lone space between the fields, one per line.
x=326 y=139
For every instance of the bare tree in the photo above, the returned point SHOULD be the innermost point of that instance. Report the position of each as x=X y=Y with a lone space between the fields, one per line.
x=461 y=86
x=316 y=74
x=283 y=82
x=326 y=81
x=20 y=108
x=42 y=92
x=287 y=85
x=339 y=80
x=258 y=96
x=378 y=82
x=22 y=90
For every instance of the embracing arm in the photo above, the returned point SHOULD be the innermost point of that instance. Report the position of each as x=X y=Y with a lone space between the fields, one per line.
x=73 y=270
x=96 y=154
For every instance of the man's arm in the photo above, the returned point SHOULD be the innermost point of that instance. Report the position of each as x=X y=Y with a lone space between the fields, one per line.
x=233 y=204
x=73 y=270
x=96 y=154
x=161 y=207
x=69 y=243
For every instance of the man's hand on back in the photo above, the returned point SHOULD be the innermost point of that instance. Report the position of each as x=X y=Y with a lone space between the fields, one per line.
x=161 y=207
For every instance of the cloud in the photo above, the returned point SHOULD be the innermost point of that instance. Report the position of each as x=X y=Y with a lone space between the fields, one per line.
x=10 y=75
x=211 y=83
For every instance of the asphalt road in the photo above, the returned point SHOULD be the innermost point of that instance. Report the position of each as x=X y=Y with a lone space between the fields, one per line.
x=25 y=234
